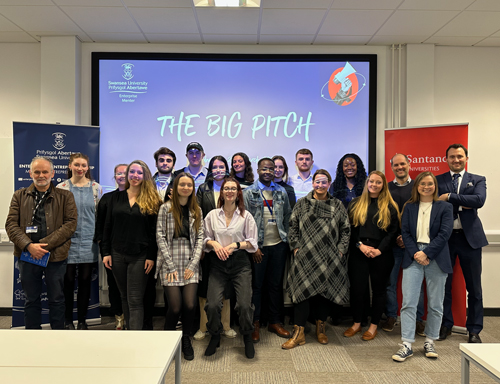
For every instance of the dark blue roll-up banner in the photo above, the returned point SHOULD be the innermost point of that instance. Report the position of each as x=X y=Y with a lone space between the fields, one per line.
x=57 y=142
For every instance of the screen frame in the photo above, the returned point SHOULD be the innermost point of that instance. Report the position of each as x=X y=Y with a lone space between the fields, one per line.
x=370 y=58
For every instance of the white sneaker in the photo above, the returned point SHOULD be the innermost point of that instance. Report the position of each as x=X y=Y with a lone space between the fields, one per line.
x=199 y=335
x=230 y=333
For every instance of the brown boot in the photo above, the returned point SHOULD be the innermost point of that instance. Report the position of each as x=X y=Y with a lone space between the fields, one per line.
x=321 y=332
x=255 y=333
x=298 y=338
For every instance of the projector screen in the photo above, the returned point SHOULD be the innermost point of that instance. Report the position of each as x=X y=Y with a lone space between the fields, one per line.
x=263 y=105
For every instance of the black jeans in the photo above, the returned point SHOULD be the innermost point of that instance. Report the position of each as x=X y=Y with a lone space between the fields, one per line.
x=270 y=270
x=131 y=279
x=32 y=283
x=238 y=270
x=318 y=305
x=361 y=270
x=115 y=299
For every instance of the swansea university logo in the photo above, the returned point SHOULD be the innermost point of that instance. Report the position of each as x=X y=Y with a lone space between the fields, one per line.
x=127 y=69
x=59 y=140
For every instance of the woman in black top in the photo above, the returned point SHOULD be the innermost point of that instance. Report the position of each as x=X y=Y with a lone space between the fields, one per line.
x=374 y=220
x=129 y=241
x=115 y=301
x=281 y=178
x=241 y=169
x=349 y=180
x=208 y=196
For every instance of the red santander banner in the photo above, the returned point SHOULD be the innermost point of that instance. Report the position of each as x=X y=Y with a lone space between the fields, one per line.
x=426 y=149
x=424 y=146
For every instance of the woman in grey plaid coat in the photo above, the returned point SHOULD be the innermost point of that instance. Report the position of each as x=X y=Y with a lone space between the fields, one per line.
x=180 y=234
x=319 y=238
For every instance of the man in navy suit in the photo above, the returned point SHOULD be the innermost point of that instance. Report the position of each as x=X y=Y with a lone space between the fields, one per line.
x=467 y=193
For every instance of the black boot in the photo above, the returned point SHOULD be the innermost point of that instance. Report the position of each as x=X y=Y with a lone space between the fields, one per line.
x=249 y=348
x=187 y=348
x=213 y=345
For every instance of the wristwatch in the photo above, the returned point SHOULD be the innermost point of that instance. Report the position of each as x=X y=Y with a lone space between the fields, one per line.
x=359 y=244
x=237 y=245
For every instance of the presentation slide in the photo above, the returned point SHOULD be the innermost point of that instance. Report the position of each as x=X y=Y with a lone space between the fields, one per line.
x=262 y=108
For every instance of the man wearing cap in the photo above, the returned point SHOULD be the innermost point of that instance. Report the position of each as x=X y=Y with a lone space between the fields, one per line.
x=195 y=155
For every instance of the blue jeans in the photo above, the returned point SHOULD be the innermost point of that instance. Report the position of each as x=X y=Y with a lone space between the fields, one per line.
x=271 y=270
x=392 y=289
x=32 y=282
x=412 y=282
x=131 y=279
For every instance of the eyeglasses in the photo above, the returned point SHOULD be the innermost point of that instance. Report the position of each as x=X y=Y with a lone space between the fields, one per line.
x=233 y=189
x=267 y=170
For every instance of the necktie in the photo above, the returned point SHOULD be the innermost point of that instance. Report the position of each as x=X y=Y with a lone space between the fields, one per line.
x=454 y=182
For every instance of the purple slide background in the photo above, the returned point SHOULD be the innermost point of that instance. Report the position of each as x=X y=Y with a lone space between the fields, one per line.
x=132 y=130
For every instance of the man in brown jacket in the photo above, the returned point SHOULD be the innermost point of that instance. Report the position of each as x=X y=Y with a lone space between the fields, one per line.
x=42 y=219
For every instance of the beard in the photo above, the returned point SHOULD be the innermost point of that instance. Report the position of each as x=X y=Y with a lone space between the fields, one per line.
x=163 y=172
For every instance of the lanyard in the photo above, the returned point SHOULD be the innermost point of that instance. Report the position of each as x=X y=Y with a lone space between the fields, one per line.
x=267 y=204
x=38 y=203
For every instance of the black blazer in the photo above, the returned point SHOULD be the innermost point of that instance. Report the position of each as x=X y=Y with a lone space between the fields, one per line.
x=205 y=197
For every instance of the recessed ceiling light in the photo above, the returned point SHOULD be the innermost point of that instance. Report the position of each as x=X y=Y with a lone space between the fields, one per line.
x=227 y=3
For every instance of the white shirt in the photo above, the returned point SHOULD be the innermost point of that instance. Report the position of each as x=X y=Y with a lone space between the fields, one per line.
x=301 y=187
x=456 y=223
x=239 y=229
x=423 y=222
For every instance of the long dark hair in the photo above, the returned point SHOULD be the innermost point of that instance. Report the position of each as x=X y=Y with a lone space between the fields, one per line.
x=79 y=155
x=240 y=204
x=339 y=185
x=192 y=204
x=210 y=176
x=249 y=178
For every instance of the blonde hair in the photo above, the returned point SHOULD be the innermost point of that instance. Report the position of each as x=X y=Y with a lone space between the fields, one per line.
x=359 y=207
x=148 y=200
x=175 y=207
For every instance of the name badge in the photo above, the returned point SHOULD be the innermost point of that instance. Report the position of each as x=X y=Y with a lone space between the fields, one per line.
x=33 y=229
x=271 y=221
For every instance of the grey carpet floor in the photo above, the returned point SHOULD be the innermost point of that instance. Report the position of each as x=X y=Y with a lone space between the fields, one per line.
x=343 y=360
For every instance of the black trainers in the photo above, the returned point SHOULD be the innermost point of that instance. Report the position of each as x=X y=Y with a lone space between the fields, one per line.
x=187 y=348
x=403 y=353
x=429 y=350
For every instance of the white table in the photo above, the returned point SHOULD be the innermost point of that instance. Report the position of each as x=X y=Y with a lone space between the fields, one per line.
x=66 y=356
x=485 y=356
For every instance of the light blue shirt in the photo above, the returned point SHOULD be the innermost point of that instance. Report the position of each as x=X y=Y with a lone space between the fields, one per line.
x=301 y=187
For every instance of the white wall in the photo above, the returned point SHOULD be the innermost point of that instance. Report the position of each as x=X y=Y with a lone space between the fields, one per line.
x=476 y=102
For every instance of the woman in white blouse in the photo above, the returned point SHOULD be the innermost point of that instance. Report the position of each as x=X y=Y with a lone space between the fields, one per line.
x=231 y=234
x=426 y=226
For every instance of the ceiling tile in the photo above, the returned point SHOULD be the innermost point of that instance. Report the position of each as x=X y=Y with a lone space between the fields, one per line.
x=239 y=21
x=27 y=2
x=416 y=22
x=286 y=39
x=472 y=23
x=454 y=40
x=339 y=40
x=165 y=20
x=485 y=5
x=16 y=37
x=174 y=38
x=39 y=18
x=352 y=23
x=159 y=3
x=230 y=39
x=6 y=25
x=288 y=4
x=102 y=19
x=396 y=39
x=489 y=42
x=89 y=3
x=118 y=37
x=291 y=21
x=366 y=4
x=442 y=5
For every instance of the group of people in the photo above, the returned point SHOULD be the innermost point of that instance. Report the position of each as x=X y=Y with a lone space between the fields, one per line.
x=211 y=234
